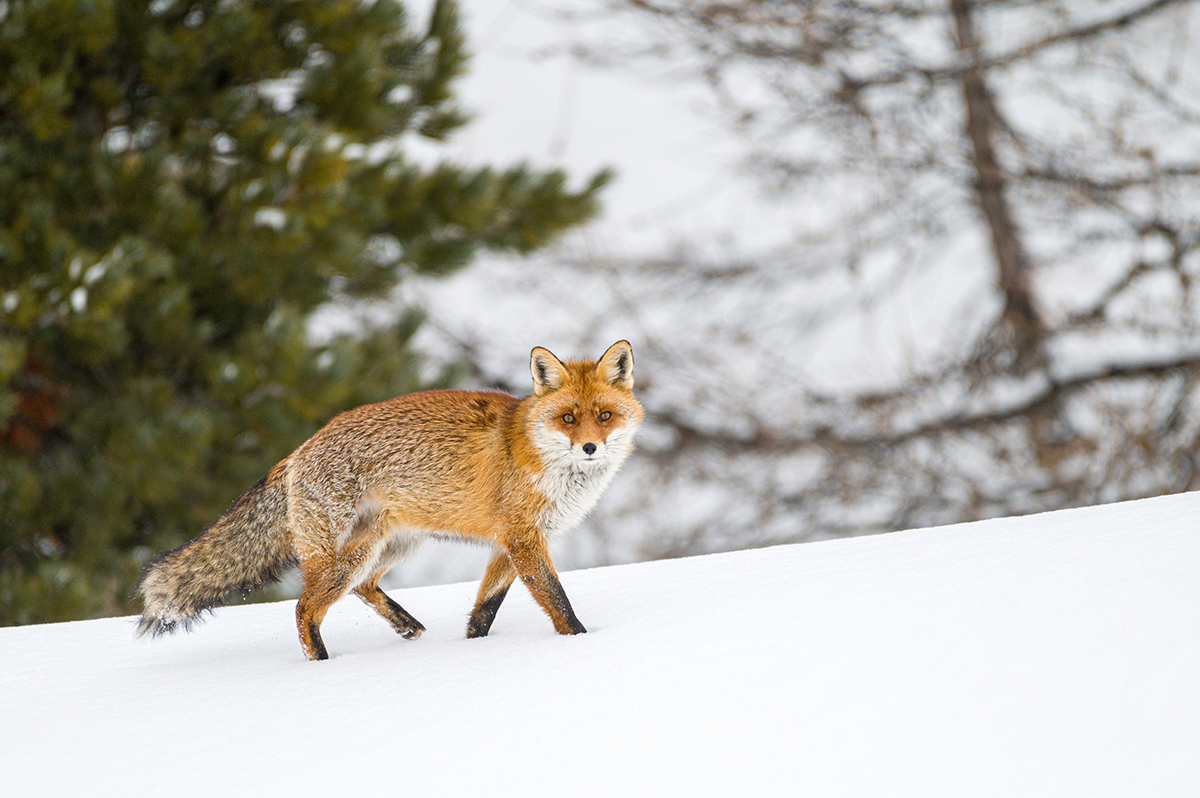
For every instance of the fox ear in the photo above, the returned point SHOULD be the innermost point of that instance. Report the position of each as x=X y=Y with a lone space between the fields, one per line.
x=548 y=371
x=616 y=366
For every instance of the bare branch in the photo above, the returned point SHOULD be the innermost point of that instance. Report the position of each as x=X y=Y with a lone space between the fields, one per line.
x=1153 y=175
x=715 y=16
x=1053 y=390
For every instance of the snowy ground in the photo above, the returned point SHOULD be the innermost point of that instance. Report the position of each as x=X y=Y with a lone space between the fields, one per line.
x=1051 y=655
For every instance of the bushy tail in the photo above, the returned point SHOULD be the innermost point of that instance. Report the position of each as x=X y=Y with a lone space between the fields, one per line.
x=245 y=548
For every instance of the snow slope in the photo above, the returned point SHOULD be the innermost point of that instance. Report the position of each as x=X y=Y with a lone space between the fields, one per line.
x=1054 y=655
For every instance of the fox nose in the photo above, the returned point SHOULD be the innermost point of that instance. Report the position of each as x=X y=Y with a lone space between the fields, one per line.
x=589 y=449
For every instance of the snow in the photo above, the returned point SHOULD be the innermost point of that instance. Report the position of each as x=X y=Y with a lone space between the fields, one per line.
x=1051 y=655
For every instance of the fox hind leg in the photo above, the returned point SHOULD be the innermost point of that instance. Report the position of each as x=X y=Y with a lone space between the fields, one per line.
x=397 y=546
x=326 y=579
x=405 y=625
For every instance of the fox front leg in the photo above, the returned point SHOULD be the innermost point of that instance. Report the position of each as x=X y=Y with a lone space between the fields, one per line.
x=532 y=563
x=496 y=581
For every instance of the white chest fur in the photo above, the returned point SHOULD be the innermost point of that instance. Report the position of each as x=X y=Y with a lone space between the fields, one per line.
x=572 y=494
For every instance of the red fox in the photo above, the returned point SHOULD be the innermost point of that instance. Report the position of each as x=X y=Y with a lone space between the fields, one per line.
x=362 y=494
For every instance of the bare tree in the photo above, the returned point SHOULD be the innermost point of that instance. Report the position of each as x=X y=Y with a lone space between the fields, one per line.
x=1039 y=157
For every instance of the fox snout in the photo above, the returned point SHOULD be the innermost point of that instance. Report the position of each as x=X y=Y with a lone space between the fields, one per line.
x=592 y=451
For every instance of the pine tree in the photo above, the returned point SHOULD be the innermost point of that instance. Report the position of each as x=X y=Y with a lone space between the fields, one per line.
x=181 y=185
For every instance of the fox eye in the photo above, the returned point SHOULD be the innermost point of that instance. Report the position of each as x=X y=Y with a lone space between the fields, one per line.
x=568 y=418
x=605 y=416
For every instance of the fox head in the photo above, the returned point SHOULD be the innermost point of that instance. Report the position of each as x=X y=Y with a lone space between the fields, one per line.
x=586 y=415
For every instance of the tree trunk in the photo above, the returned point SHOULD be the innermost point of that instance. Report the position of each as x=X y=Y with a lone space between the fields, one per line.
x=1019 y=329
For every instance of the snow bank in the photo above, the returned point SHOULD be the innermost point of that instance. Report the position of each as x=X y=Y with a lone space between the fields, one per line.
x=1051 y=655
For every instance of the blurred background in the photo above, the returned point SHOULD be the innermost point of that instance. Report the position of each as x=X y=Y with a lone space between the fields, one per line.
x=883 y=264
